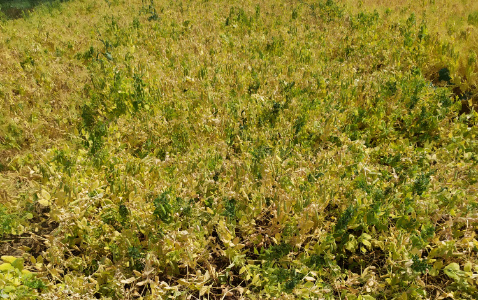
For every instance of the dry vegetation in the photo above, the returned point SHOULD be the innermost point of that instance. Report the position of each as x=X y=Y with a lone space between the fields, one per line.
x=211 y=149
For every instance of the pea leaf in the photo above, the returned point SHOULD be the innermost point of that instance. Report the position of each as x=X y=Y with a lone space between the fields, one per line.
x=452 y=271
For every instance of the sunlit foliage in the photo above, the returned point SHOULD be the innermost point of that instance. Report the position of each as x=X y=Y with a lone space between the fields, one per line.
x=239 y=149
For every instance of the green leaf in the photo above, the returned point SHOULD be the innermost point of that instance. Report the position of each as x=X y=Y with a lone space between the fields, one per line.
x=8 y=289
x=468 y=267
x=453 y=267
x=452 y=271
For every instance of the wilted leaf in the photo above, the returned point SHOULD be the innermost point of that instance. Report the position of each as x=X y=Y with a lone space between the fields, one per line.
x=308 y=278
x=141 y=283
x=129 y=280
x=203 y=290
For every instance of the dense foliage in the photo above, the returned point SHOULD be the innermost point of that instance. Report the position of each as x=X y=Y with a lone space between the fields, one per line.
x=281 y=149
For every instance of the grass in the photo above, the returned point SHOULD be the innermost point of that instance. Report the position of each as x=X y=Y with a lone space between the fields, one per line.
x=213 y=150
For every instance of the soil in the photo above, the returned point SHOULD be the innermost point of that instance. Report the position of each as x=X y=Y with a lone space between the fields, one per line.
x=33 y=243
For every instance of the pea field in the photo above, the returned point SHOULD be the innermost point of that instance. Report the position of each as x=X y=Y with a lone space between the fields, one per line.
x=211 y=149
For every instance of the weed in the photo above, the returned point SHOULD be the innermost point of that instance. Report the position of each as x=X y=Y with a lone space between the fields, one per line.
x=7 y=221
x=162 y=208
x=473 y=18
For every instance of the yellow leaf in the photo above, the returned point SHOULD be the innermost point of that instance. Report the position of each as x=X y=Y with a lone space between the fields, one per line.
x=255 y=279
x=45 y=195
x=366 y=236
x=366 y=243
x=60 y=197
x=8 y=258
x=95 y=185
x=44 y=202
x=468 y=267
x=6 y=267
x=224 y=232
x=278 y=236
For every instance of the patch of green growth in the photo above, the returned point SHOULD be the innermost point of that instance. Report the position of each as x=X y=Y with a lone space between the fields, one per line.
x=16 y=281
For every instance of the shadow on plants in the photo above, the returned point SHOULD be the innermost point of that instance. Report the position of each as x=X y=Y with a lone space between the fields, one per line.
x=13 y=9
